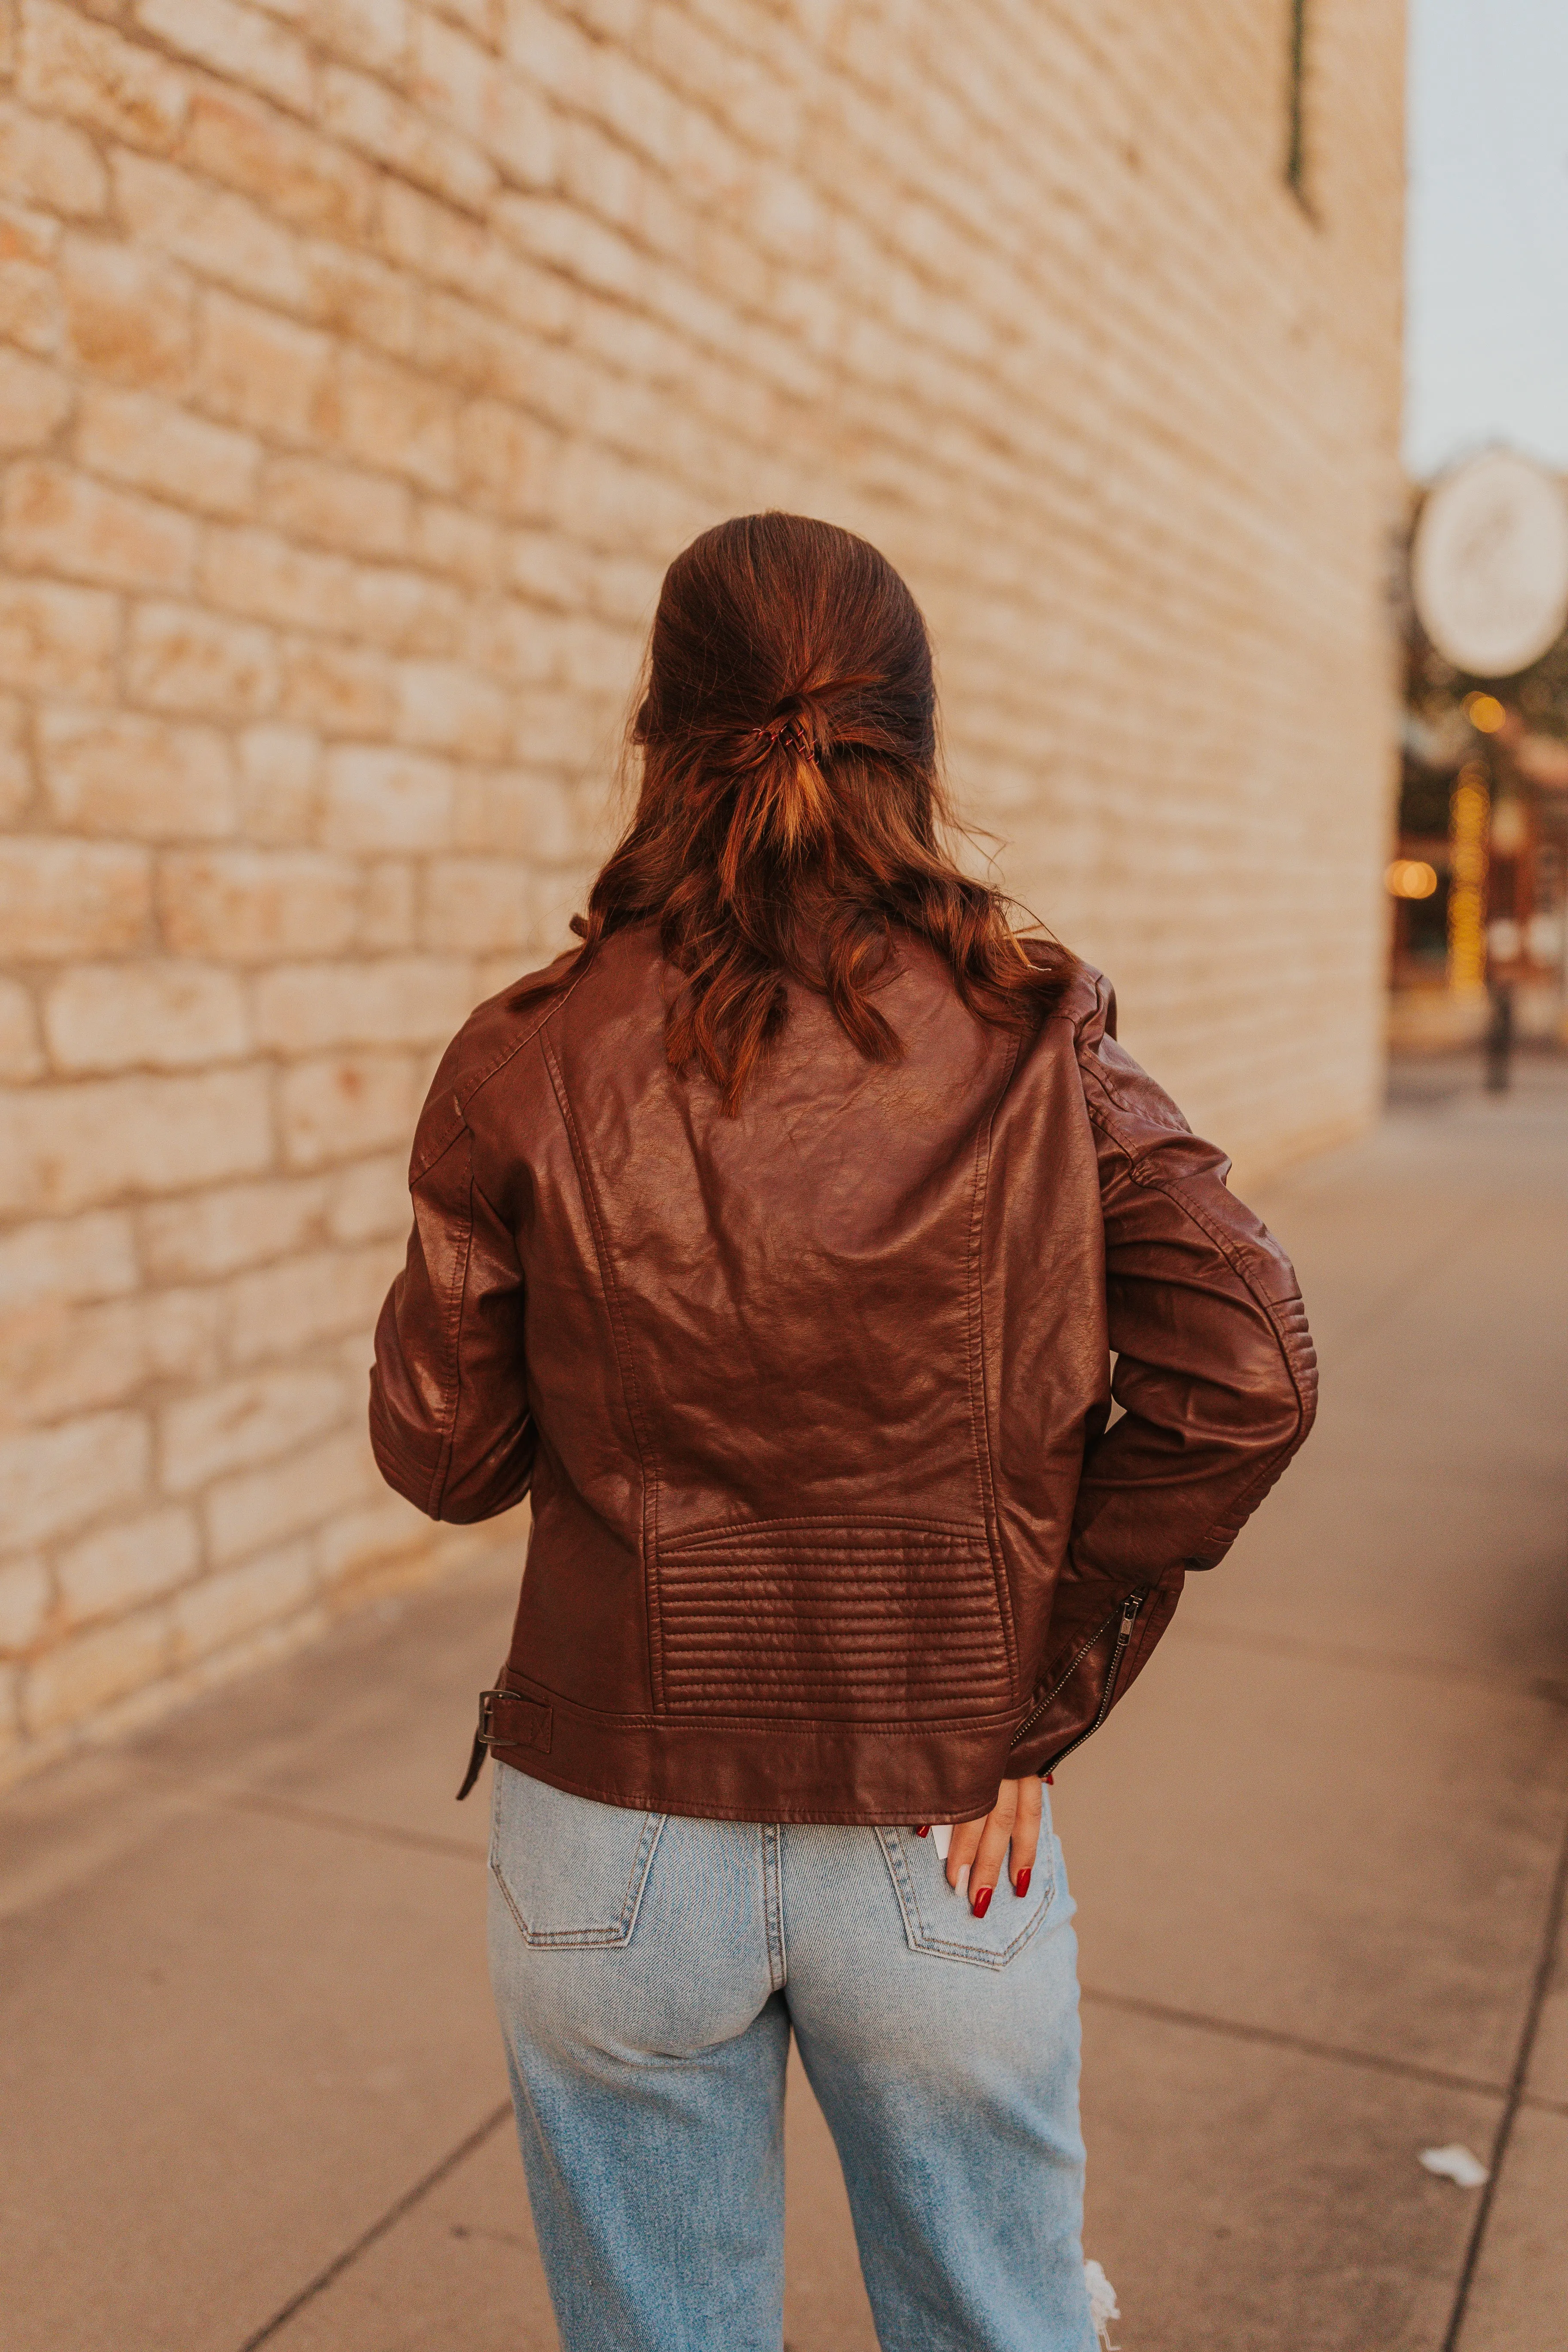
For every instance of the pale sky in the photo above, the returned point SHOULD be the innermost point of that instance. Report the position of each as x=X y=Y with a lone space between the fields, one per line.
x=1487 y=286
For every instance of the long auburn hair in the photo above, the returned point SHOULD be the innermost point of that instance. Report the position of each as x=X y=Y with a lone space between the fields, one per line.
x=790 y=820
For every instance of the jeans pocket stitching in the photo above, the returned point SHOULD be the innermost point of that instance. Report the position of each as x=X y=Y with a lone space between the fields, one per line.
x=608 y=1936
x=922 y=1938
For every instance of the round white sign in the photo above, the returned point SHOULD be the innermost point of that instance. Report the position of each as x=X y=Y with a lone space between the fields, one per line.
x=1489 y=564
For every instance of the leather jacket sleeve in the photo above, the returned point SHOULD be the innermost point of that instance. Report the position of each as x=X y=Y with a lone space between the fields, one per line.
x=1215 y=1372
x=449 y=1419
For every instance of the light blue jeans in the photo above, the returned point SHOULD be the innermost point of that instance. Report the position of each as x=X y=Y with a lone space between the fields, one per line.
x=648 y=1969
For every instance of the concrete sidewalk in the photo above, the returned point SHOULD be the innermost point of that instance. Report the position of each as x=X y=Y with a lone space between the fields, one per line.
x=253 y=2092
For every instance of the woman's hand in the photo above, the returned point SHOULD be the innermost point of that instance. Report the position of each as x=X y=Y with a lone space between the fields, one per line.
x=1014 y=1818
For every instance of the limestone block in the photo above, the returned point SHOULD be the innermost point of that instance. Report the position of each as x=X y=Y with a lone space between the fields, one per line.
x=286 y=1307
x=337 y=1106
x=386 y=800
x=48 y=163
x=244 y=1421
x=161 y=1015
x=390 y=1001
x=237 y=43
x=58 y=640
x=228 y=1227
x=309 y=181
x=56 y=519
x=278 y=775
x=114 y=773
x=70 y=1682
x=72 y=66
x=138 y=438
x=92 y=1256
x=337 y=506
x=370 y=117
x=55 y=1480
x=391 y=419
x=21 y=1056
x=25 y=1594
x=370 y=1200
x=219 y=235
x=225 y=1608
x=72 y=1359
x=337 y=689
x=259 y=369
x=248 y=905
x=258 y=1507
x=70 y=1147
x=128 y=315
x=63 y=898
x=181 y=658
x=127 y=1563
x=35 y=400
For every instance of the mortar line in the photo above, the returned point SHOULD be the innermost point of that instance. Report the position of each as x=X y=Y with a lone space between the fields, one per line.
x=378 y=2228
x=1237 y=2030
x=1545 y=1966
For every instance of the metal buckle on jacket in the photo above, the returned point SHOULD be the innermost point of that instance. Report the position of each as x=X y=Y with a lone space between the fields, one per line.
x=485 y=1737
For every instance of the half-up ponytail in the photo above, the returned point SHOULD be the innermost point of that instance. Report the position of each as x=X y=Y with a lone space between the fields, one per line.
x=790 y=819
x=782 y=805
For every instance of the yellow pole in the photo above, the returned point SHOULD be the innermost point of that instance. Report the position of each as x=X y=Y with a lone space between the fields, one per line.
x=1469 y=818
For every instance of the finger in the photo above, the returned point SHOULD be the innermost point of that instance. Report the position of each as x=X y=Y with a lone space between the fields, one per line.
x=992 y=1851
x=961 y=1852
x=1026 y=1833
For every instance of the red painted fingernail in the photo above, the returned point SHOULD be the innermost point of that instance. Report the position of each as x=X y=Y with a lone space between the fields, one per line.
x=980 y=1901
x=925 y=1833
x=1050 y=1779
x=1021 y=1883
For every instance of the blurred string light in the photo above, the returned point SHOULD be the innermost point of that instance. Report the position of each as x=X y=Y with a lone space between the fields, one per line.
x=1485 y=713
x=1410 y=878
x=1469 y=815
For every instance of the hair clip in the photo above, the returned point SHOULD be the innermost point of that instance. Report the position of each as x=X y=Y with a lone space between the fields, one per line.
x=793 y=731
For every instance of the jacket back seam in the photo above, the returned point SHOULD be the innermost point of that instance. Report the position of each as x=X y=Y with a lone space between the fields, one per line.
x=630 y=1387
x=979 y=1402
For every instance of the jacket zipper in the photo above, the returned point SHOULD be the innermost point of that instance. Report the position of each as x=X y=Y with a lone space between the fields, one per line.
x=1130 y=1609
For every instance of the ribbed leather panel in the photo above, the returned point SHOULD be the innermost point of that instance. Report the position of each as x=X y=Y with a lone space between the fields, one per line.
x=810 y=1618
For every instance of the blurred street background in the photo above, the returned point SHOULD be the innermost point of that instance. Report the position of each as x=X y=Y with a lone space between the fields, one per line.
x=362 y=365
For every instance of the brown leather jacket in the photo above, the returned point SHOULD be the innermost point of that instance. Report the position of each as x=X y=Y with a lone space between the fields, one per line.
x=813 y=1403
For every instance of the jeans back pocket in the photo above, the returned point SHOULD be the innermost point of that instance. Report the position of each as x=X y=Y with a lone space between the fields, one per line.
x=571 y=1872
x=937 y=1919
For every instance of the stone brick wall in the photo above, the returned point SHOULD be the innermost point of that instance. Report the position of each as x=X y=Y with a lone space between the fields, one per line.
x=362 y=363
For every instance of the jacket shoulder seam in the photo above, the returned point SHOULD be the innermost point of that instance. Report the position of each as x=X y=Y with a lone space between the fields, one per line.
x=1177 y=1194
x=464 y=1092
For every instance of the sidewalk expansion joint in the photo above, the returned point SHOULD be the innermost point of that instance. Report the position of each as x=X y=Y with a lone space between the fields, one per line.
x=1237 y=2030
x=378 y=2228
x=253 y=1800
x=289 y=1809
x=1515 y=2097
